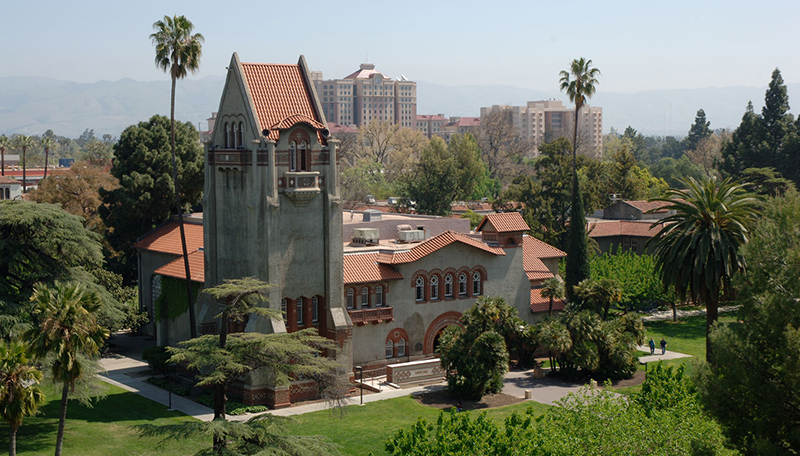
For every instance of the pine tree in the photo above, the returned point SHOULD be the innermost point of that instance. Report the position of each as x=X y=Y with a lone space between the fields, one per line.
x=775 y=114
x=698 y=130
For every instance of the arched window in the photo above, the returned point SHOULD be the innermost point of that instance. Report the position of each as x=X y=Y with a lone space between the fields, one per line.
x=228 y=140
x=303 y=156
x=420 y=285
x=476 y=284
x=314 y=310
x=299 y=311
x=292 y=156
x=379 y=296
x=350 y=298
x=401 y=347
x=434 y=288
x=462 y=284
x=364 y=298
x=236 y=143
x=448 y=286
x=389 y=349
x=283 y=308
x=240 y=135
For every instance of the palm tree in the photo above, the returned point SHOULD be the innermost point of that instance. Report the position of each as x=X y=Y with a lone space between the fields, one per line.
x=19 y=394
x=697 y=250
x=3 y=144
x=67 y=331
x=47 y=143
x=580 y=83
x=24 y=142
x=552 y=289
x=601 y=292
x=178 y=52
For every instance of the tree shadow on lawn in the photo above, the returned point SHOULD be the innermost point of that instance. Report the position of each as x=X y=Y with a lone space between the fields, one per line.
x=113 y=408
x=34 y=436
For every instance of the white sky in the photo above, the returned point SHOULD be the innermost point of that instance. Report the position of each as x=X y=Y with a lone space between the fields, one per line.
x=637 y=45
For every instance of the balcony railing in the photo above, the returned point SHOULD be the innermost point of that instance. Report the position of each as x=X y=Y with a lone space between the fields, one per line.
x=374 y=316
x=301 y=186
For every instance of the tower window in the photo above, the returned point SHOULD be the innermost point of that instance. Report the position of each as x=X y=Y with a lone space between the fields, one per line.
x=420 y=286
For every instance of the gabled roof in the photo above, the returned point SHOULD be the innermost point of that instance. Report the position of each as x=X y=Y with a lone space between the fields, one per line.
x=9 y=180
x=540 y=304
x=177 y=269
x=433 y=244
x=504 y=222
x=622 y=228
x=364 y=268
x=280 y=96
x=539 y=249
x=645 y=206
x=167 y=238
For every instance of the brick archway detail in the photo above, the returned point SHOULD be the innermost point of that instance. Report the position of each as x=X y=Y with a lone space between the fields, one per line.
x=442 y=321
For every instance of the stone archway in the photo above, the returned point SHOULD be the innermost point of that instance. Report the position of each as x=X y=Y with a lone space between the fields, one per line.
x=437 y=326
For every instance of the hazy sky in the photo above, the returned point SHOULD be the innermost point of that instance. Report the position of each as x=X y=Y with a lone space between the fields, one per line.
x=638 y=45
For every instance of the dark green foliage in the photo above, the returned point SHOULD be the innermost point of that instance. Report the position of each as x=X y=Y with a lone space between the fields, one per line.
x=665 y=388
x=42 y=243
x=599 y=294
x=145 y=198
x=232 y=407
x=173 y=301
x=474 y=218
x=577 y=242
x=590 y=422
x=476 y=357
x=637 y=275
x=170 y=385
x=698 y=131
x=752 y=384
x=672 y=170
x=157 y=358
x=767 y=182
x=443 y=174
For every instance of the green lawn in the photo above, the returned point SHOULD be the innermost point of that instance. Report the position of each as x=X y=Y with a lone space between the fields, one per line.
x=364 y=429
x=108 y=428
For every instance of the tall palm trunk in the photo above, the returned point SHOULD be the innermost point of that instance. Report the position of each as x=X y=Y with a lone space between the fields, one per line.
x=192 y=324
x=24 y=170
x=712 y=314
x=550 y=310
x=575 y=139
x=62 y=419
x=46 y=156
x=12 y=441
x=2 y=161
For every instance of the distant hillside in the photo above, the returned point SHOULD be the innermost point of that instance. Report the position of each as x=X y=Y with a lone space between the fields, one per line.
x=31 y=105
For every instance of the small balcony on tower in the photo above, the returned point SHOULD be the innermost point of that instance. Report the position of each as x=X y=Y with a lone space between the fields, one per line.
x=374 y=316
x=301 y=186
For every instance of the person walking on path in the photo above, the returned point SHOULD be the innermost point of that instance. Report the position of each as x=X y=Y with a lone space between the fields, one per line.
x=652 y=345
x=663 y=346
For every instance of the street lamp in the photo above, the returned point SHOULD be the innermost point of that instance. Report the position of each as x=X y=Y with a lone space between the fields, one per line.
x=360 y=370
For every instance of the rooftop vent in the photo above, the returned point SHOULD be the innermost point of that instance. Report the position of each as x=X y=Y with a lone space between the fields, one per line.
x=372 y=215
x=411 y=236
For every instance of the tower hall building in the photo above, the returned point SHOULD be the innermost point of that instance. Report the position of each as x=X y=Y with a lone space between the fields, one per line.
x=366 y=95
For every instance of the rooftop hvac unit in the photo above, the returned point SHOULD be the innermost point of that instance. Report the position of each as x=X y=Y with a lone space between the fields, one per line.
x=366 y=236
x=372 y=215
x=411 y=236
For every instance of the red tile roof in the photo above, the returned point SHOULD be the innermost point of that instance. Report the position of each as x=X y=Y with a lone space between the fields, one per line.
x=539 y=249
x=622 y=228
x=433 y=244
x=9 y=180
x=167 y=238
x=280 y=96
x=430 y=117
x=364 y=268
x=335 y=128
x=177 y=269
x=504 y=222
x=540 y=304
x=645 y=206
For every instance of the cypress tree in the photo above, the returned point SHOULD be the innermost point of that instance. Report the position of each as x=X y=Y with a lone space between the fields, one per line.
x=577 y=244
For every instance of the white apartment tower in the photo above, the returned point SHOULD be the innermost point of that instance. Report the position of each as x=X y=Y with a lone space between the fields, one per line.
x=367 y=95
x=541 y=121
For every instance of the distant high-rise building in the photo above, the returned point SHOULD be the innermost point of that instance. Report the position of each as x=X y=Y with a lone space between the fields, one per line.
x=542 y=121
x=367 y=95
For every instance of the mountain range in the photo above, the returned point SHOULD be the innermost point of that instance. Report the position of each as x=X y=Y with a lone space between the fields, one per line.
x=32 y=105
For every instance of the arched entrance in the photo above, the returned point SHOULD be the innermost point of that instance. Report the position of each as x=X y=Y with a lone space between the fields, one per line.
x=436 y=327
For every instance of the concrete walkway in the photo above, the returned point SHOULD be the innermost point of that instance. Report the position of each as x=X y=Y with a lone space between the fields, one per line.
x=658 y=356
x=544 y=390
x=667 y=314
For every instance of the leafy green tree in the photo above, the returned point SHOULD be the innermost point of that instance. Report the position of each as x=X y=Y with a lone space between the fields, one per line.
x=67 y=331
x=98 y=153
x=218 y=360
x=697 y=250
x=698 y=131
x=767 y=182
x=142 y=201
x=20 y=396
x=41 y=243
x=475 y=358
x=580 y=83
x=178 y=51
x=752 y=384
x=24 y=142
x=672 y=170
x=443 y=174
x=637 y=276
x=775 y=113
x=552 y=288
